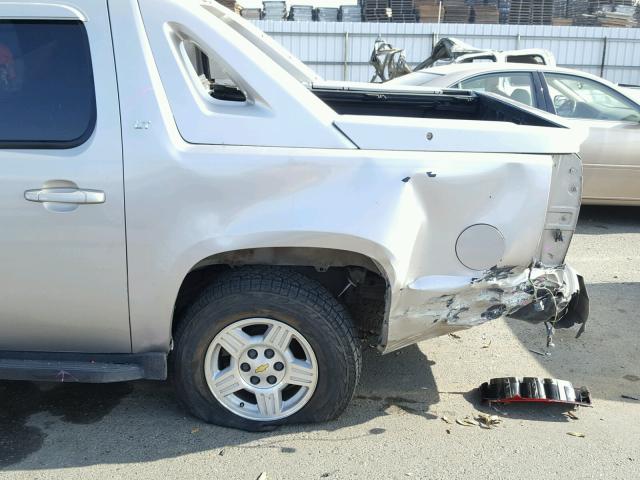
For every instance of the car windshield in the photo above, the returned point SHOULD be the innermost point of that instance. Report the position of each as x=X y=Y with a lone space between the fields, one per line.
x=579 y=97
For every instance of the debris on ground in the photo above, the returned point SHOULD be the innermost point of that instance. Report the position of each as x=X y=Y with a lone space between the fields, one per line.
x=446 y=419
x=629 y=397
x=572 y=415
x=576 y=434
x=538 y=352
x=486 y=345
x=195 y=430
x=535 y=390
x=467 y=422
x=262 y=476
x=488 y=421
x=456 y=336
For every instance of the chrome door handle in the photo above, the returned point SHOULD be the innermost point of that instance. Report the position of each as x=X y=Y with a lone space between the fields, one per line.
x=65 y=195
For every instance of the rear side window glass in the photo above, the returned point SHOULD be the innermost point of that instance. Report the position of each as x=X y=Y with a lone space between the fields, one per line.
x=47 y=97
x=213 y=76
x=517 y=86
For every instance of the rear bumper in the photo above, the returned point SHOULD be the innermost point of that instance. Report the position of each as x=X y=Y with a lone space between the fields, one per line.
x=571 y=305
x=435 y=305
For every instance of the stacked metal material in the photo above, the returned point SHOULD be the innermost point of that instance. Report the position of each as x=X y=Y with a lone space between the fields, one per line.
x=428 y=11
x=561 y=13
x=403 y=11
x=376 y=10
x=456 y=11
x=531 y=12
x=520 y=12
x=577 y=7
x=618 y=16
x=561 y=22
x=578 y=11
x=251 y=13
x=350 y=13
x=504 y=7
x=274 y=10
x=586 y=20
x=485 y=11
x=326 y=14
x=301 y=13
x=542 y=12
x=599 y=5
x=560 y=8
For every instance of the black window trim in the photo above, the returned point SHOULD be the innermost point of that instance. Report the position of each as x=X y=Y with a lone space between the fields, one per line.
x=59 y=144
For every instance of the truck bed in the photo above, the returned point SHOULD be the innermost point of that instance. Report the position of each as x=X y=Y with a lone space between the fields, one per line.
x=449 y=104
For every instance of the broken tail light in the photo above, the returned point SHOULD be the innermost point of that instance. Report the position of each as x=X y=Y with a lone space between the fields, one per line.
x=562 y=209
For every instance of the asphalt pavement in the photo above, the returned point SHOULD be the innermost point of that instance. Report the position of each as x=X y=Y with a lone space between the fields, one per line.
x=394 y=427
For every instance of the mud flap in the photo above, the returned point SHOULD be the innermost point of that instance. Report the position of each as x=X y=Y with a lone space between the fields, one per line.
x=577 y=310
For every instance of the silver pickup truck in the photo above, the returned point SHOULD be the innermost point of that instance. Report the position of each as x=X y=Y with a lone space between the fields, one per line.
x=181 y=197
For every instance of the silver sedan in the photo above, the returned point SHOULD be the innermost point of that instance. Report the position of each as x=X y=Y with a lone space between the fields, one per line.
x=611 y=114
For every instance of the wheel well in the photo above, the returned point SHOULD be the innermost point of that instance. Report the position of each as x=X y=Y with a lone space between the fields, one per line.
x=355 y=279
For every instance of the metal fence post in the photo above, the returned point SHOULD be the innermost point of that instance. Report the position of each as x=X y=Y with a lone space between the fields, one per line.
x=345 y=71
x=604 y=56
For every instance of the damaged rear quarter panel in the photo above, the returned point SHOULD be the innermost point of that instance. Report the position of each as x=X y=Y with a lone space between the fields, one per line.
x=276 y=172
x=435 y=305
x=248 y=197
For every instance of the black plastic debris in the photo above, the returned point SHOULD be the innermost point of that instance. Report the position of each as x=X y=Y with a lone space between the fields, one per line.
x=533 y=390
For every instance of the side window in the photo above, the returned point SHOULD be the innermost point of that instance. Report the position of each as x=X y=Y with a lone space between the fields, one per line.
x=517 y=86
x=212 y=75
x=47 y=96
x=479 y=59
x=530 y=58
x=579 y=97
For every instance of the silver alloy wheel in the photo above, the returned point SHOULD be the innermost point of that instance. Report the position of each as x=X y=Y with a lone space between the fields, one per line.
x=261 y=369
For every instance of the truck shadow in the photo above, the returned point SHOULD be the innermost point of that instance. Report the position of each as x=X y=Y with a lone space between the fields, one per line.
x=69 y=425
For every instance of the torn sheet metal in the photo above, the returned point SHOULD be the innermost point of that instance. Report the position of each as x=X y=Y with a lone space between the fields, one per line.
x=435 y=305
x=533 y=389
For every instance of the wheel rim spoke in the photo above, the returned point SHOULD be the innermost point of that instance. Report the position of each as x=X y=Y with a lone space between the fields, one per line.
x=234 y=341
x=279 y=336
x=269 y=402
x=301 y=373
x=227 y=381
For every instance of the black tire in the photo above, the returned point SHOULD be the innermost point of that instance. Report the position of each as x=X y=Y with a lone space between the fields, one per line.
x=281 y=294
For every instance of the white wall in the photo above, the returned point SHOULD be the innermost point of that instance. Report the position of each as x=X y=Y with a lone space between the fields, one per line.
x=323 y=45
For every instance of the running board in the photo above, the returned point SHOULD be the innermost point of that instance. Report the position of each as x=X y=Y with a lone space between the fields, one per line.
x=82 y=367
